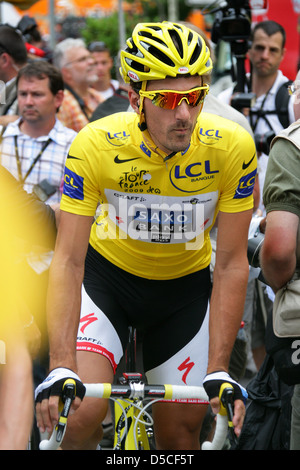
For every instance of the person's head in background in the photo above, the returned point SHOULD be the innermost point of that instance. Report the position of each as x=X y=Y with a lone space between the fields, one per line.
x=75 y=62
x=267 y=48
x=13 y=53
x=104 y=64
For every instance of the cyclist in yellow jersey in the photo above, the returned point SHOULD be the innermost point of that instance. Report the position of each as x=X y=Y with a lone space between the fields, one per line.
x=156 y=180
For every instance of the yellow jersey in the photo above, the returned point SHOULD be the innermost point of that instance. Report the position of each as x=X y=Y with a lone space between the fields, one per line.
x=153 y=214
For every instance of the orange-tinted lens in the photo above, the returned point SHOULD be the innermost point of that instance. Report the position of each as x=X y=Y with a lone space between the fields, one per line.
x=170 y=100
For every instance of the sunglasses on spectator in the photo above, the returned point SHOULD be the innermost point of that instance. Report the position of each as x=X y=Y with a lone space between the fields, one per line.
x=170 y=99
x=97 y=46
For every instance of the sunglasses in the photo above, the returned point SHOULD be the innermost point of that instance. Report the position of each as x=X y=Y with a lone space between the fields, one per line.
x=97 y=46
x=170 y=99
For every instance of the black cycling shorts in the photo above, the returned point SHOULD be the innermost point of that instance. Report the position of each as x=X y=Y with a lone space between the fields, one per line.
x=172 y=316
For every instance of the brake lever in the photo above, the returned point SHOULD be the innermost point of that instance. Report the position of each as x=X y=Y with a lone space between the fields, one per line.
x=69 y=393
x=226 y=403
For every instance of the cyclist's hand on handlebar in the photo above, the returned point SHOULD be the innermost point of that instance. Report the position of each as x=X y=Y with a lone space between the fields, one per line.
x=213 y=383
x=49 y=393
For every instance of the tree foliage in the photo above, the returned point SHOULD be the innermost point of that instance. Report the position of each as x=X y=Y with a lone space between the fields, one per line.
x=106 y=29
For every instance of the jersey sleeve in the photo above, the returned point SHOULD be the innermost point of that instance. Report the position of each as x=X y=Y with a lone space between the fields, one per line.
x=81 y=188
x=240 y=173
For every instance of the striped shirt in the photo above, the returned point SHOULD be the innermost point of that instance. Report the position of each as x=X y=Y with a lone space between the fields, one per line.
x=70 y=112
x=50 y=165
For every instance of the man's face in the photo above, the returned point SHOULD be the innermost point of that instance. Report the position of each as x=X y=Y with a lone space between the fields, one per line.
x=266 y=53
x=36 y=101
x=171 y=129
x=81 y=66
x=103 y=64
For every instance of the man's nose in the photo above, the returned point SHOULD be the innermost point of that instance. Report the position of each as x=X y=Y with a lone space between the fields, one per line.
x=29 y=99
x=265 y=53
x=183 y=110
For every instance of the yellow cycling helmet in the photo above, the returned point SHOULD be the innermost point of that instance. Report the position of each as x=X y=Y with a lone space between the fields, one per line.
x=159 y=50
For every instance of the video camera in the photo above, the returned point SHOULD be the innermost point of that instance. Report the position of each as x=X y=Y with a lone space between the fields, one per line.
x=233 y=24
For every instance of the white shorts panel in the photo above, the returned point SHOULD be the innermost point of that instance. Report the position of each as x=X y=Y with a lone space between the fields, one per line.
x=96 y=333
x=189 y=365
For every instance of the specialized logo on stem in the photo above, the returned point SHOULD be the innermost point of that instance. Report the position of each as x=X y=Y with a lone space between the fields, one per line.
x=196 y=176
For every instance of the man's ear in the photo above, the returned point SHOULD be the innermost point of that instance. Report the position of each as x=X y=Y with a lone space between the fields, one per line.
x=59 y=97
x=134 y=100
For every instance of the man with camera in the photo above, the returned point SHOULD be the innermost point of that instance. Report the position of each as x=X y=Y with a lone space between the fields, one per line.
x=266 y=54
x=270 y=88
x=279 y=255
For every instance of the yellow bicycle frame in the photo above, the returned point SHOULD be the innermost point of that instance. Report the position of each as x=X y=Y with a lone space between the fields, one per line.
x=127 y=437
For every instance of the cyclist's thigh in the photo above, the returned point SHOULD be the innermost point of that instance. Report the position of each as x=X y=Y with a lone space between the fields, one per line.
x=177 y=426
x=84 y=426
x=188 y=364
x=96 y=332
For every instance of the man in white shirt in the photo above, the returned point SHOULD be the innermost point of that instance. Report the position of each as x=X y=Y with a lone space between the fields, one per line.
x=104 y=64
x=34 y=148
x=266 y=54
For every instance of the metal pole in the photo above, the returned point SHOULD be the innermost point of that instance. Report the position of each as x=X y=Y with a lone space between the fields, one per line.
x=173 y=10
x=122 y=29
x=51 y=7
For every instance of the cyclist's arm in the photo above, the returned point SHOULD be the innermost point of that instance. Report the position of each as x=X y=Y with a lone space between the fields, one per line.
x=63 y=305
x=229 y=290
x=278 y=253
x=64 y=292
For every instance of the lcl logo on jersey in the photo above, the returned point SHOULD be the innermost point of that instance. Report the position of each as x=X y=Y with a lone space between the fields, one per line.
x=245 y=186
x=73 y=185
x=118 y=138
x=193 y=177
x=209 y=136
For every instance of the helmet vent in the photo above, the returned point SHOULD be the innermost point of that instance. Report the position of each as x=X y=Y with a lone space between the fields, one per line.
x=157 y=53
x=196 y=53
x=135 y=65
x=176 y=41
x=190 y=37
x=148 y=35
